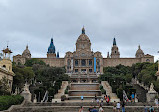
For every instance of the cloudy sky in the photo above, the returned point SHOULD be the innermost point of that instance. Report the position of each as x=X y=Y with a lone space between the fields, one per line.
x=34 y=22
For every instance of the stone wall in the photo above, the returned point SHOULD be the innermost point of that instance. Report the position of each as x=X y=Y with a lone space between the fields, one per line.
x=55 y=62
x=123 y=61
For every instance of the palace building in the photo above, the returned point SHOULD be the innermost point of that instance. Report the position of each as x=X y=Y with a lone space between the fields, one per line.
x=83 y=59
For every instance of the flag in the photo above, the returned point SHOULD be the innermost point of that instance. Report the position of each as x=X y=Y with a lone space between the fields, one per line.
x=125 y=98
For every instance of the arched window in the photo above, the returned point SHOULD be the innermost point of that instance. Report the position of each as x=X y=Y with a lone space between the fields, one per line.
x=147 y=60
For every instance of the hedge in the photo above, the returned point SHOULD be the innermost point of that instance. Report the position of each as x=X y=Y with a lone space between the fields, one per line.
x=7 y=101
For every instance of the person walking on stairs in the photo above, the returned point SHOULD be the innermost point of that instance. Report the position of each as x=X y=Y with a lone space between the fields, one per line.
x=118 y=106
x=81 y=109
x=123 y=106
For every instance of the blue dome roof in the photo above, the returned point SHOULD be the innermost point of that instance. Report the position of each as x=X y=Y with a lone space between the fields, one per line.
x=51 y=48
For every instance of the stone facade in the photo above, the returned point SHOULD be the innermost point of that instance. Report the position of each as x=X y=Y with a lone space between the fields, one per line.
x=21 y=59
x=6 y=68
x=84 y=60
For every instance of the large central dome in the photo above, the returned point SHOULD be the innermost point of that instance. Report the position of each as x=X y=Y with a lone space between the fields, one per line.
x=83 y=42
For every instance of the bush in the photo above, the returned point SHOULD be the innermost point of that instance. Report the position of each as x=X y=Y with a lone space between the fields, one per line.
x=7 y=101
x=103 y=91
x=100 y=87
x=66 y=91
x=63 y=98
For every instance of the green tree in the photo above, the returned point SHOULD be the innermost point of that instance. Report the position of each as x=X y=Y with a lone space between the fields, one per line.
x=4 y=87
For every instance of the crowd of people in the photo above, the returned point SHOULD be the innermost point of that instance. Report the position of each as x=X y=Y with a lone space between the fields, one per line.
x=117 y=106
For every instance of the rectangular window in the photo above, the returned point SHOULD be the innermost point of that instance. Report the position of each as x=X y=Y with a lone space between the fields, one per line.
x=83 y=62
x=76 y=62
x=76 y=70
x=83 y=70
x=90 y=62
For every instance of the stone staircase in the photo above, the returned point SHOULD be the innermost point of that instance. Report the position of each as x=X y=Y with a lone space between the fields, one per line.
x=72 y=107
x=87 y=90
x=140 y=93
x=62 y=90
x=108 y=88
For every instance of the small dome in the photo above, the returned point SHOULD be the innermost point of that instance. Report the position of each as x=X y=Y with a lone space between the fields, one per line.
x=83 y=36
x=26 y=53
x=139 y=52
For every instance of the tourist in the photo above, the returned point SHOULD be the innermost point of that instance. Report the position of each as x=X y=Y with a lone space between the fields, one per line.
x=94 y=109
x=101 y=109
x=82 y=98
x=90 y=109
x=92 y=100
x=107 y=99
x=151 y=109
x=101 y=101
x=118 y=106
x=98 y=102
x=81 y=109
x=114 y=106
x=123 y=106
x=145 y=108
x=133 y=97
x=95 y=97
x=104 y=98
x=156 y=102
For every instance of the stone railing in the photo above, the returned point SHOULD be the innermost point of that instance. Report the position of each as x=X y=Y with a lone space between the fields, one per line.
x=135 y=81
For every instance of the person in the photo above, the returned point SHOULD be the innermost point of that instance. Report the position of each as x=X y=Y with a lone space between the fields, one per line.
x=156 y=102
x=133 y=97
x=94 y=109
x=118 y=106
x=151 y=109
x=123 y=106
x=92 y=100
x=101 y=101
x=107 y=100
x=82 y=98
x=81 y=109
x=98 y=102
x=90 y=109
x=145 y=108
x=100 y=109
x=95 y=97
x=114 y=106
x=104 y=98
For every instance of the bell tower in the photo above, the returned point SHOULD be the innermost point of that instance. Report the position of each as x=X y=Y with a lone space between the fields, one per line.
x=51 y=50
x=6 y=62
x=115 y=51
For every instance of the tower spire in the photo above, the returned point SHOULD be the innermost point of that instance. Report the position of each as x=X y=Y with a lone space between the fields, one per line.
x=114 y=41
x=139 y=46
x=83 y=30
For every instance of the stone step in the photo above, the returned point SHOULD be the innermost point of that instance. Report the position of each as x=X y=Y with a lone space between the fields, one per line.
x=72 y=109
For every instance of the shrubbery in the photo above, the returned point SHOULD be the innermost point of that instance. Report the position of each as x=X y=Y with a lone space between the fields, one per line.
x=7 y=101
x=102 y=90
